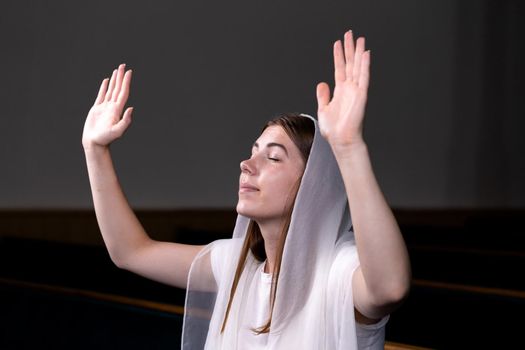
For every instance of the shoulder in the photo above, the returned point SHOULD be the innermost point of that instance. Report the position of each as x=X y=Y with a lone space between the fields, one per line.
x=224 y=254
x=345 y=259
x=344 y=265
x=222 y=248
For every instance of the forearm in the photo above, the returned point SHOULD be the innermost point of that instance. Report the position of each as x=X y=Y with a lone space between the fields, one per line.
x=120 y=228
x=382 y=252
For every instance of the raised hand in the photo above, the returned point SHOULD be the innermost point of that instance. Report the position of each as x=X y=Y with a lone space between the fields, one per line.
x=341 y=119
x=104 y=123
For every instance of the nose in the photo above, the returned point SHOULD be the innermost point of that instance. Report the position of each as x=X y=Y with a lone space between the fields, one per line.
x=247 y=167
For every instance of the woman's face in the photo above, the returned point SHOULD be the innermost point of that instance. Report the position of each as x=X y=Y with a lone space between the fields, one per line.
x=268 y=179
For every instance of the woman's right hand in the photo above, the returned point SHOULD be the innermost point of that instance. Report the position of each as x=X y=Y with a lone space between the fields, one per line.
x=104 y=123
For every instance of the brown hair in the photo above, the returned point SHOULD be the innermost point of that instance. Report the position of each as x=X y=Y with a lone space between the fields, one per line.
x=301 y=131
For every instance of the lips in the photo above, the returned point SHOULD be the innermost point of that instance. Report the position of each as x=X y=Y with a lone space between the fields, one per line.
x=247 y=188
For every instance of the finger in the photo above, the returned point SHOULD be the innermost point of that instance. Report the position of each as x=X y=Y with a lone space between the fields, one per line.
x=120 y=75
x=122 y=125
x=364 y=76
x=349 y=53
x=339 y=62
x=323 y=95
x=111 y=85
x=360 y=48
x=124 y=92
x=102 y=91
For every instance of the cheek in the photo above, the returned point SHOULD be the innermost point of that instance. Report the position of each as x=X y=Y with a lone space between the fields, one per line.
x=282 y=186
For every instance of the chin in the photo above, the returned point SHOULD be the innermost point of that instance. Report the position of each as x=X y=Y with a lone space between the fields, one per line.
x=243 y=210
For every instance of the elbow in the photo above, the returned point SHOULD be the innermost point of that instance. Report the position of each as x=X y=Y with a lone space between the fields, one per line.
x=123 y=256
x=398 y=290
x=393 y=295
x=123 y=264
x=118 y=260
x=399 y=294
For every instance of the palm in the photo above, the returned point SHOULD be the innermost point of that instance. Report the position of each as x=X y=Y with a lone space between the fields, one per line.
x=104 y=123
x=341 y=119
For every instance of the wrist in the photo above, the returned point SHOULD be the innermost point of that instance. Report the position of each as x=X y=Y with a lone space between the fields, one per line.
x=349 y=149
x=95 y=150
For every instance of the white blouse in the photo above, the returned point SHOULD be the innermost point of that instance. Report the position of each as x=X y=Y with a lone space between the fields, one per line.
x=369 y=337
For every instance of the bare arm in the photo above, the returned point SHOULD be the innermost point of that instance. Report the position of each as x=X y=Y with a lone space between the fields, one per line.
x=128 y=244
x=383 y=279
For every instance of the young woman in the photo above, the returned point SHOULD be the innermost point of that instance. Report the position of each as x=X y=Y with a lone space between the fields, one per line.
x=316 y=260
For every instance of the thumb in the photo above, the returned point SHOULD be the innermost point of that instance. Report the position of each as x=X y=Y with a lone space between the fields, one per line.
x=323 y=95
x=123 y=123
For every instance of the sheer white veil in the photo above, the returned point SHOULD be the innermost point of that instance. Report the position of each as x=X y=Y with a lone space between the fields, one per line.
x=306 y=315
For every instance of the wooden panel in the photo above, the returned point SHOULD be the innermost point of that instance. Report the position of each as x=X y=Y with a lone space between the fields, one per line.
x=81 y=227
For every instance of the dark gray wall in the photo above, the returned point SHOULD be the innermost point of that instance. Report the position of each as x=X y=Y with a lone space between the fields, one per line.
x=444 y=121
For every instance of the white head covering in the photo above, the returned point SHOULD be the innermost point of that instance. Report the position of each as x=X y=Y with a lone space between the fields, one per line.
x=304 y=314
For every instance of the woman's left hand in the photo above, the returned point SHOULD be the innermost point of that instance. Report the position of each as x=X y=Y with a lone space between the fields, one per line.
x=341 y=119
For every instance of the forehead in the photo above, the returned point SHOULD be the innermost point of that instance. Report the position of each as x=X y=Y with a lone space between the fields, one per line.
x=274 y=133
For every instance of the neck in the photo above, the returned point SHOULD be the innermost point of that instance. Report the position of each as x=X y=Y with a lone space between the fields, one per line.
x=271 y=232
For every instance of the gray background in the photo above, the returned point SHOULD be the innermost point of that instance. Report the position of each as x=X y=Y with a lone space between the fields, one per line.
x=444 y=123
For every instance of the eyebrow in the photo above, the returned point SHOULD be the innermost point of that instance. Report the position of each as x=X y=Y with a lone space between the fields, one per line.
x=272 y=144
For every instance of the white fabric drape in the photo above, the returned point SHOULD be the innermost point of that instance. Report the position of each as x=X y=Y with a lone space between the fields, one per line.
x=307 y=314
